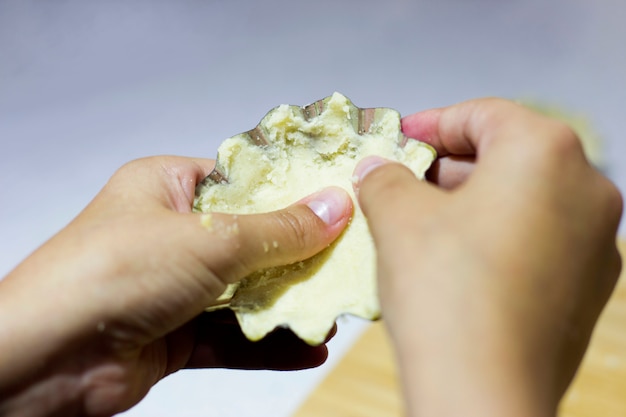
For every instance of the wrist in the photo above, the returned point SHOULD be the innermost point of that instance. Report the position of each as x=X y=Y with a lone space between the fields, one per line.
x=43 y=332
x=467 y=378
x=44 y=395
x=42 y=376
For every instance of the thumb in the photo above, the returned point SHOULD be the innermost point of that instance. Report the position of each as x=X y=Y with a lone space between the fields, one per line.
x=255 y=241
x=391 y=197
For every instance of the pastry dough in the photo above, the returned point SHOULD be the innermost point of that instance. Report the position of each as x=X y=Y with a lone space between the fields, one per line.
x=297 y=157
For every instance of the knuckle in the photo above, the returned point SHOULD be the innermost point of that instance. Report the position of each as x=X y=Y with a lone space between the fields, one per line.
x=614 y=201
x=560 y=141
x=555 y=149
x=297 y=228
x=565 y=138
x=557 y=141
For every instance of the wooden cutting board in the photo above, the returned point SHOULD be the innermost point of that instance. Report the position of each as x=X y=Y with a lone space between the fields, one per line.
x=364 y=383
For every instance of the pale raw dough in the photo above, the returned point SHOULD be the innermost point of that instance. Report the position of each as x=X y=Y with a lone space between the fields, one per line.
x=303 y=157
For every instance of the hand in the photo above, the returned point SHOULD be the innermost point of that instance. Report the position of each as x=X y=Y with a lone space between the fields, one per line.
x=114 y=302
x=492 y=276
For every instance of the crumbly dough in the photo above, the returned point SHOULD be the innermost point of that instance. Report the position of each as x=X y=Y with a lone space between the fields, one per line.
x=302 y=157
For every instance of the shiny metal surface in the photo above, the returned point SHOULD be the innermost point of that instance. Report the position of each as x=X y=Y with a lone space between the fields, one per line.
x=363 y=119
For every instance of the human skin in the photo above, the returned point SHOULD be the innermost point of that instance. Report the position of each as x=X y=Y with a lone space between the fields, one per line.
x=492 y=275
x=113 y=303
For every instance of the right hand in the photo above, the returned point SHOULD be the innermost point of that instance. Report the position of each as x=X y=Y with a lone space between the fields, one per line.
x=492 y=278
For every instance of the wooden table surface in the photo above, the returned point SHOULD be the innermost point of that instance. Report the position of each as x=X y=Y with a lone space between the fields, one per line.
x=364 y=383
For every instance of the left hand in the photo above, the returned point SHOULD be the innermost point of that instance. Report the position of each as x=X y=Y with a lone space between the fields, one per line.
x=114 y=302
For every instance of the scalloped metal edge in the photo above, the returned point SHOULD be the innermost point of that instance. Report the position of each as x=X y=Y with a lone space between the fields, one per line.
x=362 y=120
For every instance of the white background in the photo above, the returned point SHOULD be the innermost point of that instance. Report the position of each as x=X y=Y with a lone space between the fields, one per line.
x=88 y=85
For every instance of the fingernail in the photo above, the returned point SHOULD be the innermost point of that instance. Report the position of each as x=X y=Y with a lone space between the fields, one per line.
x=367 y=165
x=330 y=204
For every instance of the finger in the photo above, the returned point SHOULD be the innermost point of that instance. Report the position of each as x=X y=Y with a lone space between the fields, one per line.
x=469 y=128
x=425 y=127
x=184 y=175
x=390 y=190
x=502 y=136
x=450 y=171
x=220 y=343
x=252 y=242
x=165 y=180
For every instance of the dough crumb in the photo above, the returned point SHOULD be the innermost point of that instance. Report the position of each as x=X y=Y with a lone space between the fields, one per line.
x=207 y=221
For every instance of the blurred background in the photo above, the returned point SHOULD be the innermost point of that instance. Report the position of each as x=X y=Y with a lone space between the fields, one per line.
x=86 y=86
